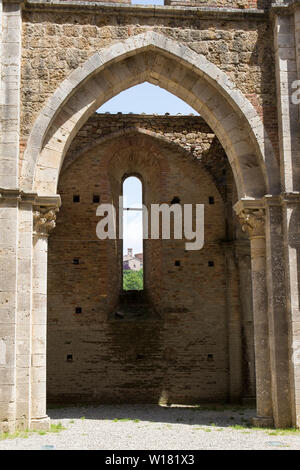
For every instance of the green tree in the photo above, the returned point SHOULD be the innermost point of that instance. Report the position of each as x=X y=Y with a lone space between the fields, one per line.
x=133 y=280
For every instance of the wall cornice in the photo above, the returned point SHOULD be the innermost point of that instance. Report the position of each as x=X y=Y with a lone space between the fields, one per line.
x=30 y=198
x=112 y=9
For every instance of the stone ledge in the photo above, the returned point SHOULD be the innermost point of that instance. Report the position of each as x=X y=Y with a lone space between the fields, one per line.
x=262 y=422
x=147 y=10
x=31 y=198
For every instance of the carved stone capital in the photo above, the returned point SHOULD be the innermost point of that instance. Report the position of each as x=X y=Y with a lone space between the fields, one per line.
x=253 y=221
x=44 y=219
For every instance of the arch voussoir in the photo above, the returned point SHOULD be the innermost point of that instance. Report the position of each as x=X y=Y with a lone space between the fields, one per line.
x=160 y=60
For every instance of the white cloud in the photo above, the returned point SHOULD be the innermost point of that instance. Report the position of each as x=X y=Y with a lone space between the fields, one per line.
x=133 y=232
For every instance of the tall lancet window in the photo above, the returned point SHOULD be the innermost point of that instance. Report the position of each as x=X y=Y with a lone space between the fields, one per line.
x=133 y=274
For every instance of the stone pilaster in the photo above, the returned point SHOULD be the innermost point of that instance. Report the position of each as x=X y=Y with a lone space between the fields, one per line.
x=10 y=62
x=288 y=110
x=11 y=25
x=44 y=222
x=277 y=313
x=20 y=381
x=291 y=214
x=8 y=310
x=23 y=317
x=297 y=45
x=253 y=221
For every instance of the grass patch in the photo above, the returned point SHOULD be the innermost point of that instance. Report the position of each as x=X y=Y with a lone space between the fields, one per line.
x=116 y=420
x=238 y=427
x=284 y=432
x=15 y=435
x=247 y=428
x=57 y=427
x=54 y=428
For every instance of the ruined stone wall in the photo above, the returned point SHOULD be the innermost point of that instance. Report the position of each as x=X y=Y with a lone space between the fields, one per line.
x=221 y=3
x=189 y=132
x=180 y=355
x=58 y=40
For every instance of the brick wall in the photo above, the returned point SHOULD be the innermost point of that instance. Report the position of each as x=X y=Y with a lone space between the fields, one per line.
x=179 y=351
x=190 y=132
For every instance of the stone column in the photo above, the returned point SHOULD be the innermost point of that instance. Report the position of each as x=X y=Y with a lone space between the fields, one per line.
x=243 y=256
x=10 y=61
x=297 y=42
x=253 y=220
x=233 y=324
x=23 y=316
x=10 y=65
x=278 y=313
x=8 y=309
x=291 y=208
x=288 y=108
x=44 y=222
x=287 y=60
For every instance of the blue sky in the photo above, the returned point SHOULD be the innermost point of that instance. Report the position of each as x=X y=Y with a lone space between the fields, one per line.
x=132 y=221
x=147 y=2
x=146 y=98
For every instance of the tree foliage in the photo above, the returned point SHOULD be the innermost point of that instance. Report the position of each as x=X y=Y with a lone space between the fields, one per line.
x=133 y=280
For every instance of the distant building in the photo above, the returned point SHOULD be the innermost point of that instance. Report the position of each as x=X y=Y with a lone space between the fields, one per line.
x=133 y=262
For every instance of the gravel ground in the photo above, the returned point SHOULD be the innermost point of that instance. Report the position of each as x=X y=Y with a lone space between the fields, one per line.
x=151 y=427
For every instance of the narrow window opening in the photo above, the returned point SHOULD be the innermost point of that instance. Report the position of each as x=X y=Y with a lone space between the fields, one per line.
x=75 y=260
x=70 y=357
x=177 y=263
x=78 y=310
x=132 y=264
x=96 y=198
x=211 y=264
x=76 y=198
x=211 y=200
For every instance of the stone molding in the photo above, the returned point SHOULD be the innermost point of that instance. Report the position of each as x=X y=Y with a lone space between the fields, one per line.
x=224 y=13
x=44 y=220
x=251 y=212
x=253 y=221
x=17 y=195
x=292 y=198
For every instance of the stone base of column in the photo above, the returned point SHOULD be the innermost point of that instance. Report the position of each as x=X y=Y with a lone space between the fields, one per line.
x=7 y=427
x=262 y=422
x=40 y=424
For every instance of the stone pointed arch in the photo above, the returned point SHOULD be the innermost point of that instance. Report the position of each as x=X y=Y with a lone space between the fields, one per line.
x=161 y=61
